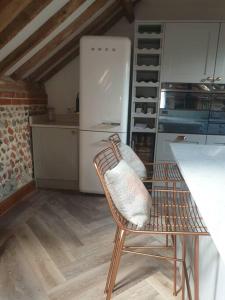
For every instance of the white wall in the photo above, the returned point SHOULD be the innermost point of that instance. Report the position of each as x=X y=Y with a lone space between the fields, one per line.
x=63 y=87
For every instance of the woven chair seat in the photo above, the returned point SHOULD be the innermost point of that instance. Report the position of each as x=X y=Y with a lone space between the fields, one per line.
x=172 y=213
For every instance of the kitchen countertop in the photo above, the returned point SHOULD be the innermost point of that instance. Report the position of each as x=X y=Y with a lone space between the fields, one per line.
x=203 y=169
x=61 y=121
x=57 y=124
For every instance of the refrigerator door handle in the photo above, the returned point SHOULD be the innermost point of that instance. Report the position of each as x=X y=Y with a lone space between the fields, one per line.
x=115 y=124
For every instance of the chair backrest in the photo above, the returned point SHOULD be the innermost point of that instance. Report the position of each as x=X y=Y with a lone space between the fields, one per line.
x=103 y=161
x=115 y=140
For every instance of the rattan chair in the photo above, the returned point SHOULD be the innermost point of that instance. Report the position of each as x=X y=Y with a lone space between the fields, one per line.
x=166 y=173
x=172 y=213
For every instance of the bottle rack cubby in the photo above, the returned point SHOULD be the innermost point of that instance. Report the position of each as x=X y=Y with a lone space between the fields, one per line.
x=146 y=85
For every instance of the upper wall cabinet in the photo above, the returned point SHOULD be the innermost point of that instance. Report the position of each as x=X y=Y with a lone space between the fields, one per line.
x=219 y=75
x=190 y=52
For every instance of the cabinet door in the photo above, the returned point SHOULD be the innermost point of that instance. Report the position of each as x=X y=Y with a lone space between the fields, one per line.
x=220 y=61
x=163 y=151
x=215 y=140
x=55 y=153
x=189 y=51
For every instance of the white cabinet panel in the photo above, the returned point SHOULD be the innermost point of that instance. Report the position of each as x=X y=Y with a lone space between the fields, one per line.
x=189 y=51
x=163 y=151
x=55 y=155
x=220 y=61
x=215 y=140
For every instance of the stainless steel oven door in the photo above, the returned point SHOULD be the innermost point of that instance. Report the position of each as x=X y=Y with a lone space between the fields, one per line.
x=184 y=111
x=217 y=115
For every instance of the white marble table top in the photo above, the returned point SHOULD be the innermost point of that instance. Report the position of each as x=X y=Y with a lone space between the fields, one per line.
x=203 y=169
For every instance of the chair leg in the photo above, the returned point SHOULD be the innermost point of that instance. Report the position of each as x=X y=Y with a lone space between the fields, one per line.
x=115 y=266
x=175 y=266
x=112 y=259
x=183 y=268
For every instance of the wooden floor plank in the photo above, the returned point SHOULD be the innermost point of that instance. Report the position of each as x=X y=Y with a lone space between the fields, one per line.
x=141 y=291
x=64 y=232
x=17 y=278
x=50 y=242
x=41 y=262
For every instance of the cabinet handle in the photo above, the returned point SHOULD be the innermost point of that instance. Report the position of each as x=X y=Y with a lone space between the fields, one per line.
x=207 y=55
x=180 y=138
x=210 y=78
x=218 y=79
x=73 y=132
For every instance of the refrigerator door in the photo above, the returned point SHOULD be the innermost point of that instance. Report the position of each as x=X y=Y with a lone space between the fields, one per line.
x=104 y=83
x=90 y=144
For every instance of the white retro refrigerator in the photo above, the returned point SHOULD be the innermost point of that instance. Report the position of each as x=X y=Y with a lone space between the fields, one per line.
x=104 y=93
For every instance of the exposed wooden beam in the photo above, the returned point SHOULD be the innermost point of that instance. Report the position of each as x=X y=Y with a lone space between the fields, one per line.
x=9 y=10
x=63 y=35
x=75 y=53
x=99 y=21
x=22 y=20
x=39 y=35
x=128 y=9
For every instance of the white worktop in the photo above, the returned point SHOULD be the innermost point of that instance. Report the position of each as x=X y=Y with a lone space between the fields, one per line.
x=56 y=124
x=69 y=121
x=203 y=169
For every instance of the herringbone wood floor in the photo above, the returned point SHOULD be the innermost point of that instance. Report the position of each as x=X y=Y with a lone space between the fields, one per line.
x=57 y=246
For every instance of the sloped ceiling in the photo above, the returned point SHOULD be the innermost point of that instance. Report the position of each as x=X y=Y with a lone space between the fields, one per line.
x=39 y=37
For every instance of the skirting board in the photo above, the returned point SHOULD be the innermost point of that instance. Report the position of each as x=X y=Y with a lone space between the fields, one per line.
x=57 y=184
x=15 y=198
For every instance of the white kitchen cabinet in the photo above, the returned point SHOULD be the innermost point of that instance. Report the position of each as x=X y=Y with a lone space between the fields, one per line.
x=163 y=151
x=190 y=52
x=215 y=140
x=220 y=60
x=55 y=152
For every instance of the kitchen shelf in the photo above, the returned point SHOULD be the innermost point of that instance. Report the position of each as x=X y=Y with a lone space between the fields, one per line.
x=143 y=115
x=143 y=28
x=145 y=100
x=146 y=86
x=146 y=35
x=146 y=68
x=148 y=51
x=146 y=130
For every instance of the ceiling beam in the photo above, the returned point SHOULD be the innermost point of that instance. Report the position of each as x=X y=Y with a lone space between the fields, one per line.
x=128 y=9
x=116 y=17
x=27 y=15
x=9 y=10
x=63 y=35
x=39 y=35
x=99 y=21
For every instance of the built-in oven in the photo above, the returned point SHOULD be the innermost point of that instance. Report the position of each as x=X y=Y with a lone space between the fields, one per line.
x=216 y=125
x=192 y=108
